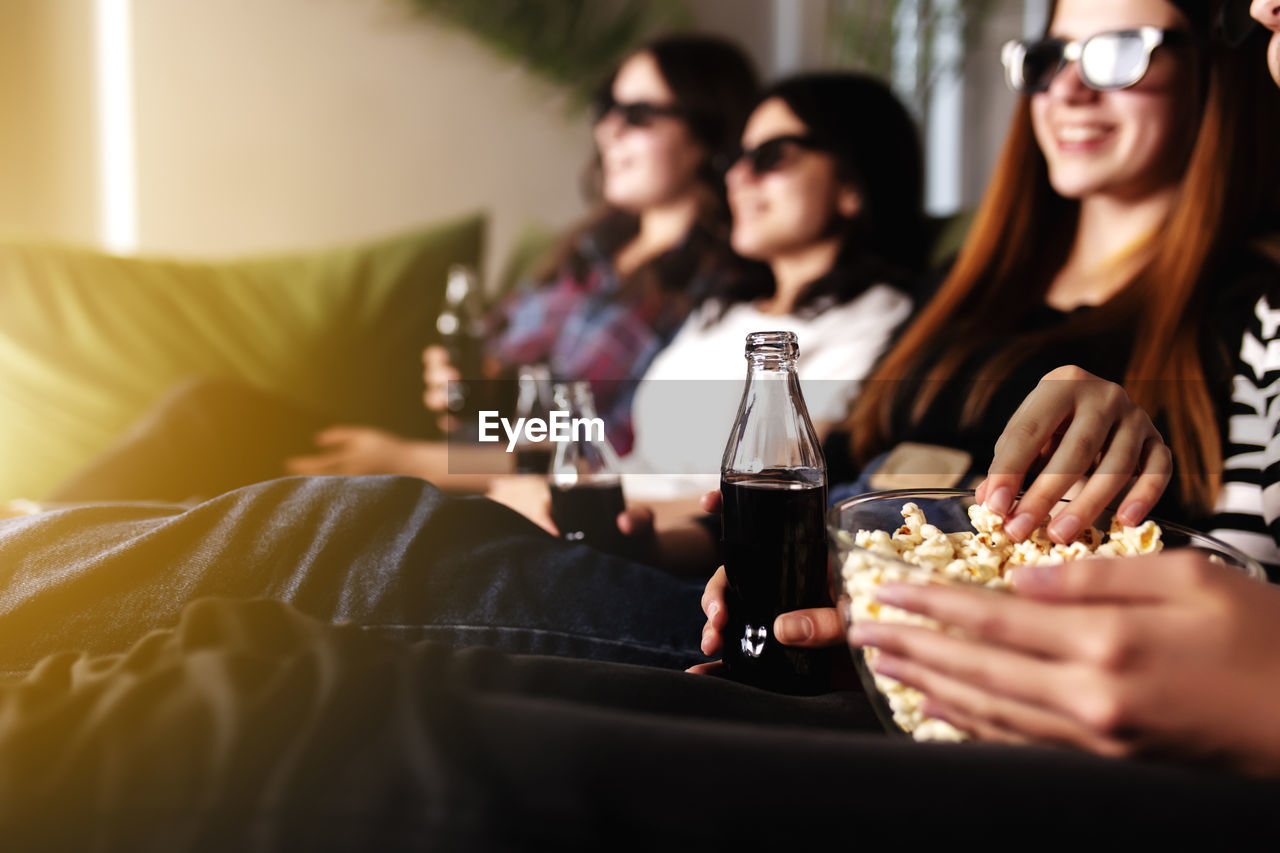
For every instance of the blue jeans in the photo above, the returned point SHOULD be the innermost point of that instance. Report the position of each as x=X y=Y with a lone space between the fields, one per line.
x=860 y=486
x=392 y=554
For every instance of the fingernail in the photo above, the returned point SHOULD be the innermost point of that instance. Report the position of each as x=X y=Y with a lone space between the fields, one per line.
x=712 y=609
x=1131 y=514
x=706 y=640
x=1065 y=528
x=1020 y=526
x=891 y=595
x=886 y=665
x=793 y=629
x=1000 y=501
x=1034 y=575
x=862 y=634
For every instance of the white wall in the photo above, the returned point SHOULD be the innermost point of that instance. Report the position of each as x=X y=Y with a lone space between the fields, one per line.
x=47 y=134
x=988 y=103
x=263 y=125
x=283 y=123
x=969 y=122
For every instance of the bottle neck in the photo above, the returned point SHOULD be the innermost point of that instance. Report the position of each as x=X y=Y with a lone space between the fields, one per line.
x=758 y=363
x=773 y=431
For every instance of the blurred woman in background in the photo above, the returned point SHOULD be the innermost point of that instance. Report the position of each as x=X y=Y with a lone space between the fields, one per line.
x=831 y=215
x=827 y=198
x=615 y=291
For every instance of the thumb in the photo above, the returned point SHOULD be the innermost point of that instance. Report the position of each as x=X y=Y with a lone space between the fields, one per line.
x=814 y=628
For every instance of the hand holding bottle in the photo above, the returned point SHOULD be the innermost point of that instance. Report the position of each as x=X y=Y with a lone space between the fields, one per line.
x=773 y=488
x=815 y=627
x=586 y=489
x=809 y=628
x=449 y=366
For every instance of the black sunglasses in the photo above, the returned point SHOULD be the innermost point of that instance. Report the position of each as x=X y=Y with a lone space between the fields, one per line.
x=770 y=155
x=635 y=113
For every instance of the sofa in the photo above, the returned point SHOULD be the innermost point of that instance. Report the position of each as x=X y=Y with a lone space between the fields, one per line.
x=90 y=340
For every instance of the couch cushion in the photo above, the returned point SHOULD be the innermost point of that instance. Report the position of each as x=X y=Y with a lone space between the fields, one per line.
x=89 y=340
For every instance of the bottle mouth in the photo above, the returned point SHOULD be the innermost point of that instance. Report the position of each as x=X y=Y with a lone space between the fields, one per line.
x=772 y=345
x=574 y=397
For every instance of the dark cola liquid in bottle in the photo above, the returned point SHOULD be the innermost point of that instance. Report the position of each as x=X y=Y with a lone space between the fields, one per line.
x=586 y=488
x=460 y=327
x=533 y=400
x=774 y=487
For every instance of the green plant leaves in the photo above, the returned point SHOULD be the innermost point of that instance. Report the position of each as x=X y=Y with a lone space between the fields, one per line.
x=571 y=43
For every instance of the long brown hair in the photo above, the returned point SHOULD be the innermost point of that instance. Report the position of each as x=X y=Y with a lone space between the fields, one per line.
x=1022 y=232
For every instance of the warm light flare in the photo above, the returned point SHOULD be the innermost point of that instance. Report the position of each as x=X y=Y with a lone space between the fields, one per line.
x=117 y=173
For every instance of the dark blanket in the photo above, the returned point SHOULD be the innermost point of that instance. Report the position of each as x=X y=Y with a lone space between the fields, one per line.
x=252 y=727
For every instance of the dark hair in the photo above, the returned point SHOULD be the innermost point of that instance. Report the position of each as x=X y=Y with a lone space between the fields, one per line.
x=715 y=85
x=860 y=122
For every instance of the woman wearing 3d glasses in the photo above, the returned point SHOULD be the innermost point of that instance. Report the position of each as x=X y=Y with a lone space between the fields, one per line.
x=609 y=298
x=833 y=214
x=832 y=217
x=1110 y=236
x=617 y=288
x=578 y=750
x=1166 y=654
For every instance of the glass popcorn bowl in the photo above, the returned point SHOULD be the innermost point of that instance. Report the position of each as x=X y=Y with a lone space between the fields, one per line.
x=856 y=571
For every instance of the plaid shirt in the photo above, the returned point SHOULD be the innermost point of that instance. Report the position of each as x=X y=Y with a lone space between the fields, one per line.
x=582 y=330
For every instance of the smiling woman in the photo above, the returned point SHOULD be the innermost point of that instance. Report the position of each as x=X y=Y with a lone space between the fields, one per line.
x=1114 y=236
x=609 y=297
x=1124 y=236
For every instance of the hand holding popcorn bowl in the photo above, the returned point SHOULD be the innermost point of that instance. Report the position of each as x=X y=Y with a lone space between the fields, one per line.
x=942 y=536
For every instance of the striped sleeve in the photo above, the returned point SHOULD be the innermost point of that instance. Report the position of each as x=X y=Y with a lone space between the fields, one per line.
x=1248 y=508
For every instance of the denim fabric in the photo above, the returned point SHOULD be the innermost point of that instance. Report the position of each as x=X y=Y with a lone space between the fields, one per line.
x=392 y=553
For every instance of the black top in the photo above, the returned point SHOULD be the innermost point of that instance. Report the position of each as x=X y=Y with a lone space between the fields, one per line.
x=1104 y=354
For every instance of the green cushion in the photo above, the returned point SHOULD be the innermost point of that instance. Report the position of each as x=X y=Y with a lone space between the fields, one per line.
x=88 y=341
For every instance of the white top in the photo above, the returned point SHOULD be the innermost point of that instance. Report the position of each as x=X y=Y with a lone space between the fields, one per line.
x=681 y=426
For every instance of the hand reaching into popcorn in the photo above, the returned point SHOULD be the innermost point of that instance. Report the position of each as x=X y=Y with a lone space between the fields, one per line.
x=1085 y=427
x=1164 y=654
x=1078 y=428
x=817 y=627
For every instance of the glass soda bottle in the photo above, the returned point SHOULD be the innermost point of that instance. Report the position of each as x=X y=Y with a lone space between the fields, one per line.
x=586 y=489
x=460 y=326
x=774 y=486
x=533 y=400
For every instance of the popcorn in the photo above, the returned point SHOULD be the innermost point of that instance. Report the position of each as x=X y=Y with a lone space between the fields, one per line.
x=983 y=557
